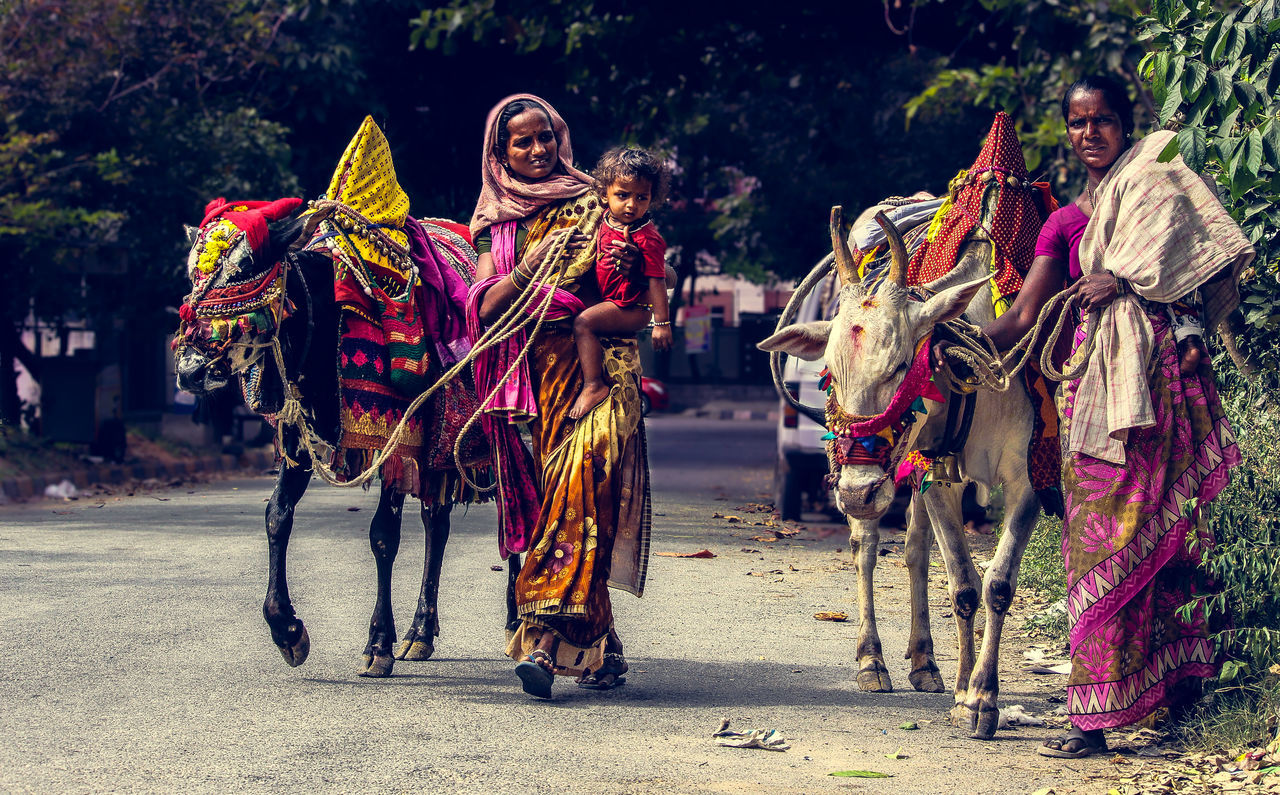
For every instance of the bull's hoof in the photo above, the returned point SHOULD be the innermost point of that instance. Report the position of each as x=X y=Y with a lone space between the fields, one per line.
x=377 y=666
x=296 y=653
x=984 y=723
x=874 y=678
x=414 y=650
x=961 y=716
x=927 y=679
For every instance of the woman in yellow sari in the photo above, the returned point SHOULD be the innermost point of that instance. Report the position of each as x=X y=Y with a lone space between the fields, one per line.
x=580 y=508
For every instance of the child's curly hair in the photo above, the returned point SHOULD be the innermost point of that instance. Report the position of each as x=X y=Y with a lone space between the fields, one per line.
x=627 y=163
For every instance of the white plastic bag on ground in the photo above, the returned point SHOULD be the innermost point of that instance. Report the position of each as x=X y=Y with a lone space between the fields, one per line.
x=66 y=490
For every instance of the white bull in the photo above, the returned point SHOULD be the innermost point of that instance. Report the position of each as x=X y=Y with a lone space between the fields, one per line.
x=870 y=347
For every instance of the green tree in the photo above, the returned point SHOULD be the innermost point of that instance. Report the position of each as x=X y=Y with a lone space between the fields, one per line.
x=119 y=120
x=1214 y=77
x=768 y=119
x=1019 y=56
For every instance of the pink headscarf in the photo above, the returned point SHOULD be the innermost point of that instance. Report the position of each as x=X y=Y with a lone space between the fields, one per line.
x=505 y=198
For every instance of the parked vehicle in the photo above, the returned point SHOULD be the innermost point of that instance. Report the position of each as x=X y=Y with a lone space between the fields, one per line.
x=802 y=454
x=653 y=395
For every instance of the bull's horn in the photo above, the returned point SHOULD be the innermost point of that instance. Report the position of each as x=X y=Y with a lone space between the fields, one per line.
x=320 y=212
x=840 y=247
x=897 y=250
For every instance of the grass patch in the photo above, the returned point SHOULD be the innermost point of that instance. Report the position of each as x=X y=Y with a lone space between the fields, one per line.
x=24 y=454
x=1245 y=563
x=1044 y=572
x=1245 y=717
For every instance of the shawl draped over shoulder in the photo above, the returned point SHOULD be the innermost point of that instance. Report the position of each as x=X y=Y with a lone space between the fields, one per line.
x=1162 y=228
x=503 y=197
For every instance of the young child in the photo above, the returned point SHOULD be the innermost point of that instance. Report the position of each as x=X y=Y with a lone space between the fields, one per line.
x=629 y=180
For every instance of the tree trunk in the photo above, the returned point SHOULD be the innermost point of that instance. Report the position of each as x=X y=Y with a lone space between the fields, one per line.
x=10 y=405
x=1231 y=330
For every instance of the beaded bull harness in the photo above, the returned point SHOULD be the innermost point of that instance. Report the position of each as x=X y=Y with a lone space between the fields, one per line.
x=880 y=439
x=227 y=316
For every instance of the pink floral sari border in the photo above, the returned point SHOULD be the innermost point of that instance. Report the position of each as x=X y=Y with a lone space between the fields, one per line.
x=1104 y=705
x=1099 y=593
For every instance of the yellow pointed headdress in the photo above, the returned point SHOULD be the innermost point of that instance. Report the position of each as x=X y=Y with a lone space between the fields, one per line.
x=365 y=182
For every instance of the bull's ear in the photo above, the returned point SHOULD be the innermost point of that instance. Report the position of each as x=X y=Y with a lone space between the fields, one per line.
x=803 y=340
x=286 y=233
x=950 y=303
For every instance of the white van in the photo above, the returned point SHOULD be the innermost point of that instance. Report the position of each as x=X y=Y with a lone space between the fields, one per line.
x=802 y=454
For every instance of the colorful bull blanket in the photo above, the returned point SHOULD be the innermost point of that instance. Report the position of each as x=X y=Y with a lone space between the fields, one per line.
x=998 y=179
x=388 y=352
x=401 y=288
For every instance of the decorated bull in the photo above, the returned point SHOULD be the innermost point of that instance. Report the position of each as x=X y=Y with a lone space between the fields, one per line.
x=890 y=424
x=332 y=319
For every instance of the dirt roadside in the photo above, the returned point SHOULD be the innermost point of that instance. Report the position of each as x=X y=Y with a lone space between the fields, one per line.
x=934 y=754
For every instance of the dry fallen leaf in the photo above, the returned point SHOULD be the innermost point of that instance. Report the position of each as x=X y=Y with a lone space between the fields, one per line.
x=705 y=553
x=831 y=615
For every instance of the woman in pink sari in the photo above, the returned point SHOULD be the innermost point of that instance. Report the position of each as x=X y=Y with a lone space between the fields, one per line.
x=580 y=509
x=1155 y=260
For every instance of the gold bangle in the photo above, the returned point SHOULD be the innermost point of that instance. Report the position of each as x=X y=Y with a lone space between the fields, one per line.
x=519 y=279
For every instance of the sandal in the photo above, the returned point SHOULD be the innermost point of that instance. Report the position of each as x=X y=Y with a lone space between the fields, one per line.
x=614 y=665
x=1088 y=745
x=535 y=674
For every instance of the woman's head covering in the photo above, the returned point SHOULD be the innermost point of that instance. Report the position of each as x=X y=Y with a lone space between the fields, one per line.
x=505 y=198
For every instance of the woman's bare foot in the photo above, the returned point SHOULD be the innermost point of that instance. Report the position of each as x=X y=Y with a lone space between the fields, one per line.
x=593 y=392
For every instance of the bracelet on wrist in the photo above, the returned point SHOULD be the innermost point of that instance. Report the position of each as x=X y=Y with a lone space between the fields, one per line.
x=656 y=323
x=520 y=279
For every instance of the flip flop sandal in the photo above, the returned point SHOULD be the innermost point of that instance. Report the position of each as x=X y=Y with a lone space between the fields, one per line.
x=1084 y=750
x=615 y=664
x=535 y=679
x=591 y=682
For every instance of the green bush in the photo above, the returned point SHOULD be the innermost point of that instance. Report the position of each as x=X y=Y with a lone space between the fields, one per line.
x=1044 y=572
x=1245 y=563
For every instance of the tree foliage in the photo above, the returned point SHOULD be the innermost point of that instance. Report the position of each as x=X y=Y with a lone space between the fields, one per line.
x=1020 y=55
x=768 y=119
x=1215 y=80
x=120 y=119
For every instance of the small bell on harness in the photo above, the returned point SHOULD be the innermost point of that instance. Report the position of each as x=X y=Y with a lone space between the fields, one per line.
x=946 y=470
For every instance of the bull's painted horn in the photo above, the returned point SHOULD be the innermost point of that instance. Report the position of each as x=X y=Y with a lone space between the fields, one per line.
x=840 y=247
x=897 y=251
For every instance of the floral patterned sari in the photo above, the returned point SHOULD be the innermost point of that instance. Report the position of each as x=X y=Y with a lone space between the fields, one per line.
x=592 y=529
x=1126 y=536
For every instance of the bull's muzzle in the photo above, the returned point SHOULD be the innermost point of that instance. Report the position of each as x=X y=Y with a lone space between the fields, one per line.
x=864 y=492
x=200 y=376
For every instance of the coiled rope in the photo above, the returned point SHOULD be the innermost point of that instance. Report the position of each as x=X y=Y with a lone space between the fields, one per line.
x=512 y=321
x=995 y=372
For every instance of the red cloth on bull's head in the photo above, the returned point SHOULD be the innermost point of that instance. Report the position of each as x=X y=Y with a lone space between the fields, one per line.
x=1016 y=223
x=250 y=217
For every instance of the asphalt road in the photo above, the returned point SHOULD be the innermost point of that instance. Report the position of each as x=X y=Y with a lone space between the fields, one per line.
x=134 y=656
